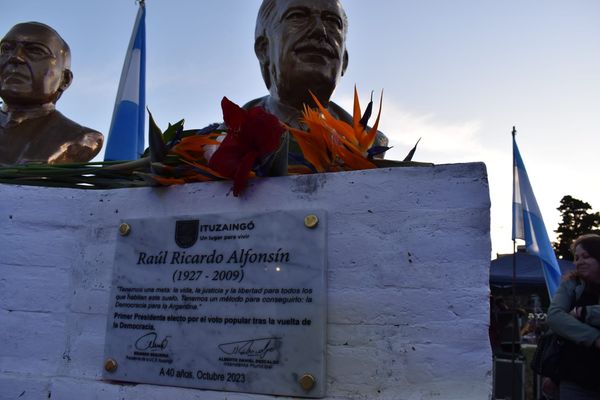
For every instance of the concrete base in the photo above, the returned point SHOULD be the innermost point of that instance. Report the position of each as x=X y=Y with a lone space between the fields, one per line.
x=408 y=262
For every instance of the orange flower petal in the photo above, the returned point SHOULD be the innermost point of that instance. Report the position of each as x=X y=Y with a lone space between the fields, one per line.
x=367 y=141
x=356 y=113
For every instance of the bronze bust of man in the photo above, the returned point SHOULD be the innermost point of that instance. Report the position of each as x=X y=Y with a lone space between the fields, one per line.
x=301 y=46
x=34 y=72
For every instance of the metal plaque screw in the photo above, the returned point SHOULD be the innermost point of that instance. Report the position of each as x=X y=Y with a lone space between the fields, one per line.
x=307 y=382
x=311 y=221
x=124 y=229
x=110 y=365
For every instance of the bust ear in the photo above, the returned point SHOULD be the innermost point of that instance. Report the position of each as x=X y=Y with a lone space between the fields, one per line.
x=261 y=49
x=345 y=62
x=67 y=79
x=261 y=45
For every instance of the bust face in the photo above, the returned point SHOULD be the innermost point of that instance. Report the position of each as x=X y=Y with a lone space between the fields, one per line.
x=33 y=62
x=306 y=47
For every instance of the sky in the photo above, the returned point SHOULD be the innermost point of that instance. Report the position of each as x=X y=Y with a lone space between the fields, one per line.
x=459 y=74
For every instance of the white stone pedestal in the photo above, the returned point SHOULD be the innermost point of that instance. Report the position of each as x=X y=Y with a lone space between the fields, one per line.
x=408 y=262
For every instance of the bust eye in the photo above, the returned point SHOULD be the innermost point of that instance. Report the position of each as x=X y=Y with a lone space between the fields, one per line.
x=295 y=15
x=333 y=20
x=36 y=50
x=6 y=47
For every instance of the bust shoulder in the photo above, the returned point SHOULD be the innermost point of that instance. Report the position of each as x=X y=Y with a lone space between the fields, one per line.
x=336 y=110
x=51 y=138
x=75 y=142
x=259 y=102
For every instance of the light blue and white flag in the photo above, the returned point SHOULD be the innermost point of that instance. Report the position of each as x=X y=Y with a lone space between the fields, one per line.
x=126 y=135
x=528 y=223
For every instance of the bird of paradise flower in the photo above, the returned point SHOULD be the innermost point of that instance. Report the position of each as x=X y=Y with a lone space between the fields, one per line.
x=331 y=145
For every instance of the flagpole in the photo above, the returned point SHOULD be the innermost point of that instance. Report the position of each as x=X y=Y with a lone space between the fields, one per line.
x=528 y=225
x=514 y=293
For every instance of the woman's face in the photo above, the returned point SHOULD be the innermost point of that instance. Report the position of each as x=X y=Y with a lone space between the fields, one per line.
x=587 y=266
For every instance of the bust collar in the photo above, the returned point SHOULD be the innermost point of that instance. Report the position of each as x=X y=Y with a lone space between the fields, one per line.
x=11 y=116
x=286 y=114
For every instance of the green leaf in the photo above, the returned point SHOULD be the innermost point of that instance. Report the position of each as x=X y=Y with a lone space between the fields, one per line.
x=158 y=148
x=172 y=130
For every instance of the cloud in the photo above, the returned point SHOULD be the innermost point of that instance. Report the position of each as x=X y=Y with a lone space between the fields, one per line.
x=403 y=127
x=441 y=140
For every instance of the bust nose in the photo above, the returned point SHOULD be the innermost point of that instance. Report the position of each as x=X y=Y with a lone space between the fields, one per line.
x=317 y=27
x=17 y=54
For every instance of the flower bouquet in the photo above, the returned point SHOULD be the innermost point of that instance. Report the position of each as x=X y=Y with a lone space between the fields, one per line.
x=251 y=143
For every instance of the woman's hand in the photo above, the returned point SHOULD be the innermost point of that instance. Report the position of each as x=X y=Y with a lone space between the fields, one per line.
x=579 y=313
x=549 y=388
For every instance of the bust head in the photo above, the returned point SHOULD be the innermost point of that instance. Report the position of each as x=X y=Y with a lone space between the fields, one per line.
x=301 y=45
x=34 y=65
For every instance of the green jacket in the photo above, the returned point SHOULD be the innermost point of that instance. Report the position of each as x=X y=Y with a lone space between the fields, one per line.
x=566 y=325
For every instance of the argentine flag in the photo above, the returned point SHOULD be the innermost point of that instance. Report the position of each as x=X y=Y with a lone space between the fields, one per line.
x=529 y=225
x=126 y=135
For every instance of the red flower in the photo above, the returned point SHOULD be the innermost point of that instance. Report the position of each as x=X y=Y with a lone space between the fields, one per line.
x=251 y=135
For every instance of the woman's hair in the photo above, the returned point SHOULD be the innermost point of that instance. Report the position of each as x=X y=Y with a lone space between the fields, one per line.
x=591 y=244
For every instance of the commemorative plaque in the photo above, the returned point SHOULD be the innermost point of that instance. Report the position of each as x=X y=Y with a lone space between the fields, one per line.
x=232 y=302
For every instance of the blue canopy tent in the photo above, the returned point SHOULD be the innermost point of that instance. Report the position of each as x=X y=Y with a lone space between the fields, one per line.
x=529 y=270
x=529 y=284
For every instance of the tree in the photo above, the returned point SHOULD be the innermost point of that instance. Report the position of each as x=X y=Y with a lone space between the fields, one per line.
x=576 y=220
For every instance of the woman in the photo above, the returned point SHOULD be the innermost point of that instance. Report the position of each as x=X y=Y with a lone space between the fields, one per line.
x=574 y=314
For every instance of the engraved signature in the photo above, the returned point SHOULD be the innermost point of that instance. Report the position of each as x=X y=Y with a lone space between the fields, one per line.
x=252 y=347
x=150 y=341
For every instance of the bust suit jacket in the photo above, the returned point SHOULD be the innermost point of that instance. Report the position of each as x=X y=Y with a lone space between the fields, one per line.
x=51 y=138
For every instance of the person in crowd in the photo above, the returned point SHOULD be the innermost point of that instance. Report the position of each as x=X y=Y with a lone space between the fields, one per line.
x=574 y=314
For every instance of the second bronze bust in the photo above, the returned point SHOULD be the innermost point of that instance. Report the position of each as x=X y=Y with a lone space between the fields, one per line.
x=34 y=72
